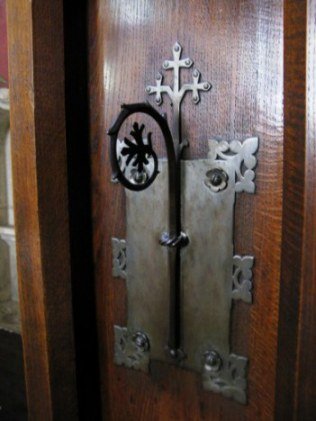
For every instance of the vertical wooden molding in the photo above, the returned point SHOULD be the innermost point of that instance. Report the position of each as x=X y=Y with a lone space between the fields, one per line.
x=36 y=69
x=294 y=179
x=306 y=377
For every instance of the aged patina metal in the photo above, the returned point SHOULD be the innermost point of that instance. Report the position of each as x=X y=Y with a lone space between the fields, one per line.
x=178 y=260
x=119 y=258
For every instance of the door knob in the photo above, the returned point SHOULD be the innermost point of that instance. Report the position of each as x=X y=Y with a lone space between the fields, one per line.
x=178 y=256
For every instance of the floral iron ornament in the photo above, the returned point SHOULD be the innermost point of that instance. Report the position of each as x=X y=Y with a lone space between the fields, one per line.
x=138 y=150
x=178 y=92
x=180 y=298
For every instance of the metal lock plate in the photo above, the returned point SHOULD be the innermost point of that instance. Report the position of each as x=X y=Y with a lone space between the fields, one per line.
x=211 y=275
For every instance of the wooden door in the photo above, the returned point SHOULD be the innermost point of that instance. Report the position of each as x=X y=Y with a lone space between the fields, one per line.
x=260 y=59
x=238 y=46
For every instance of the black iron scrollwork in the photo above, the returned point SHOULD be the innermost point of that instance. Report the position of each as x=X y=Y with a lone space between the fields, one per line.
x=140 y=152
x=138 y=155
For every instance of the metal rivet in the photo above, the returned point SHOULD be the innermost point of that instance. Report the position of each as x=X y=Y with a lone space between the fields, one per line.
x=195 y=73
x=177 y=47
x=138 y=177
x=212 y=361
x=216 y=179
x=141 y=341
x=188 y=62
x=173 y=353
x=148 y=89
x=166 y=64
x=206 y=86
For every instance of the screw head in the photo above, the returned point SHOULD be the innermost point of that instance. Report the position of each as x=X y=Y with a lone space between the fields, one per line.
x=138 y=177
x=216 y=179
x=177 y=47
x=165 y=63
x=141 y=341
x=195 y=73
x=206 y=86
x=148 y=89
x=212 y=361
x=188 y=62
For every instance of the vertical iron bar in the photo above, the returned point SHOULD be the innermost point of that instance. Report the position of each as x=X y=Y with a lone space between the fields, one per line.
x=175 y=325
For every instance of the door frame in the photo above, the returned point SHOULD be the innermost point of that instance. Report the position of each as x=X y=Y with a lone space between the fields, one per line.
x=39 y=163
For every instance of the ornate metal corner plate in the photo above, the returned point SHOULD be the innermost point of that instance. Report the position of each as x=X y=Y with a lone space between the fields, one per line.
x=210 y=274
x=131 y=349
x=228 y=377
x=242 y=278
x=119 y=258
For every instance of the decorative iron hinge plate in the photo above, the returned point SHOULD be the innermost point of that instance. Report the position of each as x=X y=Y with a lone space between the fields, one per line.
x=211 y=275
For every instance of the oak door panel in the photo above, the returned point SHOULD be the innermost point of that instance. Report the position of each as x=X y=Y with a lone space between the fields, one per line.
x=238 y=47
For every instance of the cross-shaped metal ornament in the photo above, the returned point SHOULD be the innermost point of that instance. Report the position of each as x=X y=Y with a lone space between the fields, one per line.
x=178 y=92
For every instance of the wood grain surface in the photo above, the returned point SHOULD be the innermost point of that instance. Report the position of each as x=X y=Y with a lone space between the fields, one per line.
x=35 y=36
x=238 y=47
x=306 y=376
x=293 y=205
